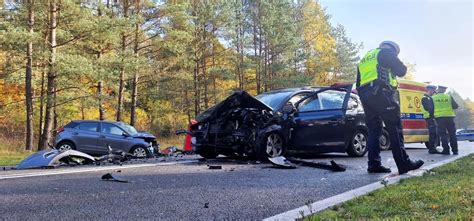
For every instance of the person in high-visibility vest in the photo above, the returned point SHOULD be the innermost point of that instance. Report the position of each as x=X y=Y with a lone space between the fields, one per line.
x=428 y=115
x=444 y=106
x=376 y=85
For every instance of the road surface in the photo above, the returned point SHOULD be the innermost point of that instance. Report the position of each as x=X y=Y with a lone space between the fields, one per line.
x=240 y=191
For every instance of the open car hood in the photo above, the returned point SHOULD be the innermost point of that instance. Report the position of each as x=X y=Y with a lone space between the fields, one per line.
x=239 y=99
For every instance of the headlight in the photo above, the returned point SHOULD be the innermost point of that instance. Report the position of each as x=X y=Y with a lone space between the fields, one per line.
x=193 y=140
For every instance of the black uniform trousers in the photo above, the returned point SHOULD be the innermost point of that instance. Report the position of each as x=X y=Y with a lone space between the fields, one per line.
x=447 y=129
x=433 y=133
x=381 y=107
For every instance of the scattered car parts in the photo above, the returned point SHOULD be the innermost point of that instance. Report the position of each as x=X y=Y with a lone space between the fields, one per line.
x=333 y=166
x=291 y=163
x=111 y=177
x=52 y=158
x=282 y=162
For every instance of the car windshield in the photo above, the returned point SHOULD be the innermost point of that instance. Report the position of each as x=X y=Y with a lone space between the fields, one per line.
x=130 y=129
x=273 y=99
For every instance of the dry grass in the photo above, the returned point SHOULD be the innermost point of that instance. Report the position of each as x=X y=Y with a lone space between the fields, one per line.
x=177 y=141
x=12 y=151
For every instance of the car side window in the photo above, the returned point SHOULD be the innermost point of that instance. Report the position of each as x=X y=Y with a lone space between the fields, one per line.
x=88 y=126
x=297 y=98
x=326 y=100
x=111 y=129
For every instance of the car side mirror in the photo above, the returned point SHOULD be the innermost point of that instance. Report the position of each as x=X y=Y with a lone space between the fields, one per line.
x=288 y=108
x=125 y=134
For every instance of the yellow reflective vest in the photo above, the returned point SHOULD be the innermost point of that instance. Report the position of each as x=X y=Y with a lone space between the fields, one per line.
x=368 y=69
x=443 y=106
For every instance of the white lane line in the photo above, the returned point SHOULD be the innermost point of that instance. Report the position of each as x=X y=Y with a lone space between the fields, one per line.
x=318 y=206
x=83 y=170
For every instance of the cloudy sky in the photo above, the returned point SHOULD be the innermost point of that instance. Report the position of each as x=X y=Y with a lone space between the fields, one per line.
x=436 y=35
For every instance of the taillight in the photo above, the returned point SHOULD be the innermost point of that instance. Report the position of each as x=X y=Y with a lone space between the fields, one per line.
x=59 y=130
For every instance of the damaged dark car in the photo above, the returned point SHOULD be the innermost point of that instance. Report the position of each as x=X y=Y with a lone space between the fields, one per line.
x=289 y=121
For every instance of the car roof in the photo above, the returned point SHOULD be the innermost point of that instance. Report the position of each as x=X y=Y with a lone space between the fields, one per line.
x=294 y=90
x=97 y=121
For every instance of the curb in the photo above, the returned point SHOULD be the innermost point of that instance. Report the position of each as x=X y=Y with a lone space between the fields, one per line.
x=318 y=206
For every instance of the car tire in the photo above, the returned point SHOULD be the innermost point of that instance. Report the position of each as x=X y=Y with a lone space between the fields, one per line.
x=384 y=140
x=357 y=146
x=65 y=145
x=272 y=146
x=208 y=153
x=139 y=152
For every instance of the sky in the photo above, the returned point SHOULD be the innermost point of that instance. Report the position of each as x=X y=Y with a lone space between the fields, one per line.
x=436 y=35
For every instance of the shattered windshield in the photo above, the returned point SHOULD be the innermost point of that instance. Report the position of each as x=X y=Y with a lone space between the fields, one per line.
x=273 y=99
x=130 y=129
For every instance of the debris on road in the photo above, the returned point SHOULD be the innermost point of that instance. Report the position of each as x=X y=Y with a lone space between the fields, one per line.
x=290 y=163
x=206 y=205
x=114 y=156
x=111 y=177
x=53 y=158
x=214 y=167
x=333 y=165
x=282 y=162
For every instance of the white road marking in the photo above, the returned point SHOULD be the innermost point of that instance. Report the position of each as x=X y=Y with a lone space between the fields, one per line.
x=92 y=169
x=318 y=206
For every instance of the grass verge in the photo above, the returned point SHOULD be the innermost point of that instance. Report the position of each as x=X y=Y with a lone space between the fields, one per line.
x=11 y=151
x=445 y=193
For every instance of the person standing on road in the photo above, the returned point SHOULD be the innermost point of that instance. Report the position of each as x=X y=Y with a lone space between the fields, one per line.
x=444 y=106
x=376 y=85
x=428 y=114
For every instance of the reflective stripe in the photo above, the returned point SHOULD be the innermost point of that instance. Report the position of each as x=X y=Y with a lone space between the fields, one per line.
x=443 y=106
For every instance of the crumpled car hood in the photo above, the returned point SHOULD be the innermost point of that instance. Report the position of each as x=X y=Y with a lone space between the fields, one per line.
x=239 y=99
x=144 y=135
x=48 y=158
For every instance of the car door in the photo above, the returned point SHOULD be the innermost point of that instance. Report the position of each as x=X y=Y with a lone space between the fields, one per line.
x=320 y=120
x=112 y=135
x=86 y=136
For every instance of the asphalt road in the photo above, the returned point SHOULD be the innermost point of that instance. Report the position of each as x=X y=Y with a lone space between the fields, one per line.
x=240 y=191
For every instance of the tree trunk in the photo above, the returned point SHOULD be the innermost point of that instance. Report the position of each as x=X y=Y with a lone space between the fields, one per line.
x=48 y=118
x=122 y=71
x=41 y=107
x=101 y=101
x=204 y=70
x=28 y=78
x=135 y=75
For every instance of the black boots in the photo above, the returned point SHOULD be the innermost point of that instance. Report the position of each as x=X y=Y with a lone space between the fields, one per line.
x=378 y=169
x=413 y=165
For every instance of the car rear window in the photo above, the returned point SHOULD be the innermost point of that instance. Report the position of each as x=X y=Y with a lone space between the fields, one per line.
x=88 y=126
x=71 y=124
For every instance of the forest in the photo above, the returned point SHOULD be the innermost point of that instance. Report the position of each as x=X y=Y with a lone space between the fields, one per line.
x=156 y=64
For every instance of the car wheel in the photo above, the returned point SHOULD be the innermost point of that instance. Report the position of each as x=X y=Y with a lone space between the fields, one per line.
x=65 y=146
x=208 y=152
x=139 y=152
x=384 y=140
x=358 y=144
x=274 y=145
